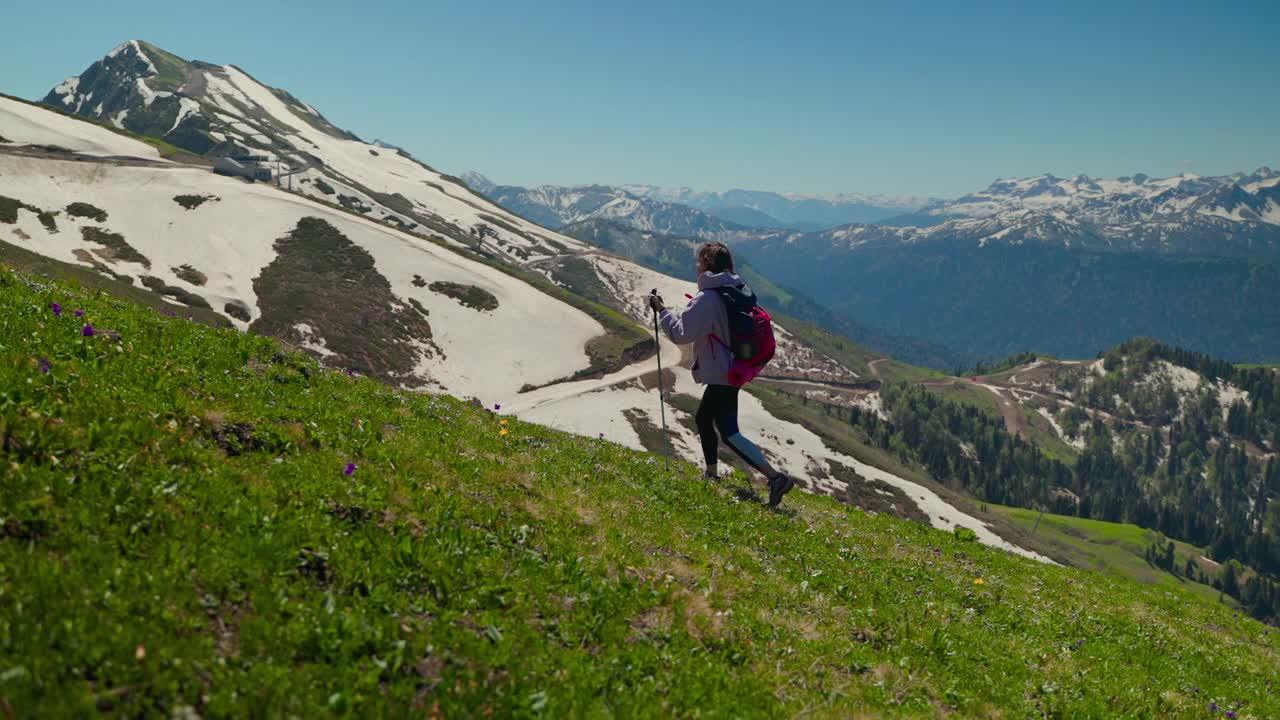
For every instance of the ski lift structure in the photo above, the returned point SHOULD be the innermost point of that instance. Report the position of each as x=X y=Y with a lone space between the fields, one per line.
x=257 y=168
x=251 y=167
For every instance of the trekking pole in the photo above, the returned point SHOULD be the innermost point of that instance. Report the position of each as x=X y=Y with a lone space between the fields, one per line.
x=662 y=406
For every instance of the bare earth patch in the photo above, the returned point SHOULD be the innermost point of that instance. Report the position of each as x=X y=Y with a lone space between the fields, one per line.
x=157 y=285
x=191 y=275
x=87 y=211
x=467 y=295
x=85 y=256
x=237 y=310
x=114 y=246
x=322 y=280
x=191 y=202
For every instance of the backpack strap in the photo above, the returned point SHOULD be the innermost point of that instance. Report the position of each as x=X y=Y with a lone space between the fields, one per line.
x=724 y=306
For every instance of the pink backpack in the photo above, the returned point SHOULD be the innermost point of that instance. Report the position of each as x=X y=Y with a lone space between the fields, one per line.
x=750 y=334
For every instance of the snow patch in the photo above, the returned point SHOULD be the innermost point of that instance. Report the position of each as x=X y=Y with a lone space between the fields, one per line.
x=187 y=108
x=312 y=341
x=874 y=404
x=1228 y=395
x=148 y=95
x=30 y=125
x=1076 y=442
x=1184 y=380
x=137 y=48
x=68 y=90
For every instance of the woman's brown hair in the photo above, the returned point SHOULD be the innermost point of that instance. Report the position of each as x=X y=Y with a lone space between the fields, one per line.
x=714 y=257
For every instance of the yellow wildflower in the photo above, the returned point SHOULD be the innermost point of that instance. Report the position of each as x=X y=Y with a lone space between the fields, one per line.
x=979 y=581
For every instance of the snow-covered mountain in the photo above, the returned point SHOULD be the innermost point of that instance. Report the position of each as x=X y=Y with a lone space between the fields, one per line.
x=555 y=207
x=443 y=305
x=352 y=291
x=1227 y=215
x=688 y=212
x=1230 y=215
x=761 y=208
x=1138 y=198
x=220 y=110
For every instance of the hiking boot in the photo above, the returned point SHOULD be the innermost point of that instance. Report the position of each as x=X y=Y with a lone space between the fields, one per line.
x=780 y=485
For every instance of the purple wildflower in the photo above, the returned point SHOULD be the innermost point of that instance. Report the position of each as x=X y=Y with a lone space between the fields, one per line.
x=87 y=331
x=351 y=373
x=1231 y=714
x=1213 y=707
x=45 y=365
x=1079 y=643
x=937 y=552
x=351 y=469
x=56 y=308
x=497 y=407
x=601 y=436
x=919 y=592
x=79 y=313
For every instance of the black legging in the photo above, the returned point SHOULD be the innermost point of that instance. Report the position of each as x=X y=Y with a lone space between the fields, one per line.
x=719 y=410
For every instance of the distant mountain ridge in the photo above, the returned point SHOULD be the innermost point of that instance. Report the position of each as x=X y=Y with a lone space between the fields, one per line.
x=1230 y=215
x=760 y=208
x=1234 y=215
x=1068 y=266
x=644 y=204
x=1137 y=198
x=555 y=207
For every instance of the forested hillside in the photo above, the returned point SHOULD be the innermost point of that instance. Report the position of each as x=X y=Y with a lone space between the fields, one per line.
x=1149 y=435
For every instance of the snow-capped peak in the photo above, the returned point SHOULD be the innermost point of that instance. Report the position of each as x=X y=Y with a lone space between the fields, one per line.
x=1122 y=202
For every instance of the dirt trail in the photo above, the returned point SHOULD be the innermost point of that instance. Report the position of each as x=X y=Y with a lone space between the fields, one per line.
x=866 y=387
x=1014 y=420
x=873 y=363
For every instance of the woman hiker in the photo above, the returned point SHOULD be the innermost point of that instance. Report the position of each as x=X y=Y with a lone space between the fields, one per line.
x=704 y=323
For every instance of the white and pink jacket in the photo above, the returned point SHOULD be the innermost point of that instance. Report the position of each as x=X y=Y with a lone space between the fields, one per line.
x=705 y=324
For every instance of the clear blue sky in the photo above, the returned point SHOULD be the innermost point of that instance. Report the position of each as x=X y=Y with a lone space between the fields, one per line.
x=928 y=98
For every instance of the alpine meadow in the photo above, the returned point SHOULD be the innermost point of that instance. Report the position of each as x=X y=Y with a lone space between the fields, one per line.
x=741 y=390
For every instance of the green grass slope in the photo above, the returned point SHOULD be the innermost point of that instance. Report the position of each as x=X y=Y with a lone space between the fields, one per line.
x=180 y=534
x=1108 y=547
